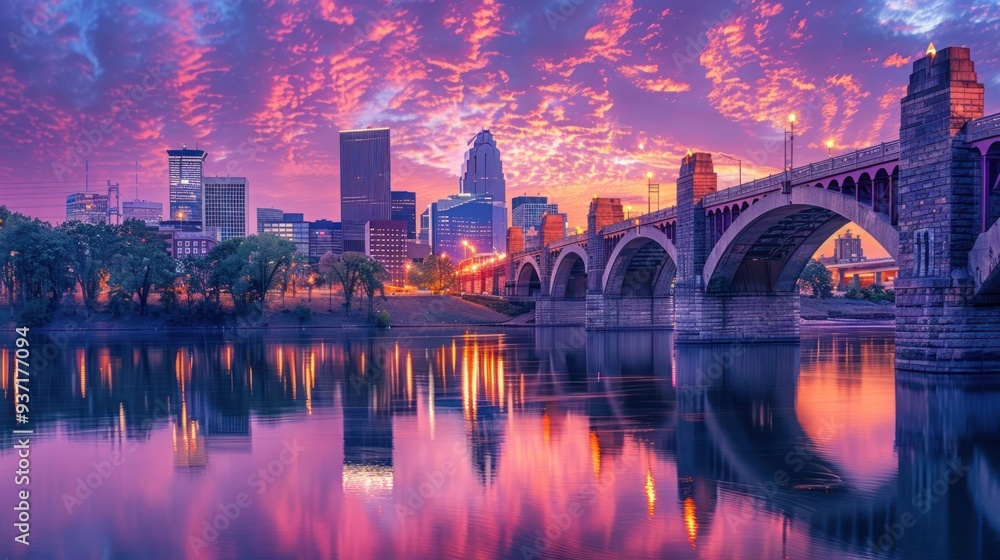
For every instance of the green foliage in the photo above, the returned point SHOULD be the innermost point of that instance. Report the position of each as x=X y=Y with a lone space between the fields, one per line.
x=382 y=319
x=435 y=273
x=874 y=294
x=345 y=271
x=303 y=312
x=90 y=248
x=249 y=267
x=33 y=260
x=141 y=262
x=35 y=312
x=372 y=278
x=818 y=278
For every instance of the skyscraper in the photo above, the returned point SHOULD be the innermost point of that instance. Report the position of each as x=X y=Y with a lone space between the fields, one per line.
x=404 y=209
x=225 y=205
x=364 y=182
x=528 y=214
x=482 y=177
x=187 y=169
x=462 y=224
x=87 y=207
x=294 y=228
x=268 y=216
x=145 y=210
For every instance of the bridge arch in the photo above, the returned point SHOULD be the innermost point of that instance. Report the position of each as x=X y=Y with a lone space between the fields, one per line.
x=643 y=264
x=767 y=248
x=569 y=274
x=528 y=281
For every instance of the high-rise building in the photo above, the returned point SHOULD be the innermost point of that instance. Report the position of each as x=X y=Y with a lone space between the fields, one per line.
x=847 y=249
x=424 y=235
x=517 y=201
x=293 y=228
x=225 y=205
x=404 y=209
x=321 y=239
x=187 y=169
x=364 y=182
x=482 y=176
x=385 y=241
x=268 y=216
x=528 y=215
x=145 y=210
x=87 y=207
x=463 y=224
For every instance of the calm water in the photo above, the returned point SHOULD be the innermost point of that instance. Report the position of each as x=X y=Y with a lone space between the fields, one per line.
x=482 y=444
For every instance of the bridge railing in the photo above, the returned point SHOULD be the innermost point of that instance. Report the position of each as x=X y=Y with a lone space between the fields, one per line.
x=887 y=151
x=986 y=127
x=651 y=218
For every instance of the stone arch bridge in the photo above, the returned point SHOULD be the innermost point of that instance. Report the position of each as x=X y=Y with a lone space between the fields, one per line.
x=722 y=265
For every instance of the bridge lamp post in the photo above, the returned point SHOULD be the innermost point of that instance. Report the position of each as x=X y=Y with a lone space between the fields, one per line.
x=628 y=211
x=651 y=188
x=829 y=148
x=789 y=153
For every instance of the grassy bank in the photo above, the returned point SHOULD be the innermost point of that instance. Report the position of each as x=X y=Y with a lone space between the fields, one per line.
x=835 y=309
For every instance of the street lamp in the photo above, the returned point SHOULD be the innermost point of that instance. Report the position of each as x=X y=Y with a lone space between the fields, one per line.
x=628 y=211
x=829 y=148
x=789 y=153
x=651 y=188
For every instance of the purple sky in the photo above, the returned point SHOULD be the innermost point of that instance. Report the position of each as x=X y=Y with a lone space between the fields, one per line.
x=583 y=96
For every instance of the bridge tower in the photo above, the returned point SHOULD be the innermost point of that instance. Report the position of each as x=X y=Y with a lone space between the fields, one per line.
x=940 y=323
x=703 y=316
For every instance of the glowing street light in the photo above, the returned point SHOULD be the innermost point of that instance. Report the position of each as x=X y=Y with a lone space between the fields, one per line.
x=628 y=211
x=789 y=152
x=829 y=148
x=651 y=187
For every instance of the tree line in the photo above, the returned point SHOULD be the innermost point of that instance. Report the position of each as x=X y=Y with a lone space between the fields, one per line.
x=43 y=265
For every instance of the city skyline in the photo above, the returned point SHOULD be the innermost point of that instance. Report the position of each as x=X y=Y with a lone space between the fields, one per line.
x=575 y=118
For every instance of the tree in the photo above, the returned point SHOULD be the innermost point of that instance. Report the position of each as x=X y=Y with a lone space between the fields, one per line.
x=251 y=265
x=141 y=263
x=435 y=273
x=344 y=270
x=372 y=278
x=818 y=278
x=90 y=248
x=34 y=263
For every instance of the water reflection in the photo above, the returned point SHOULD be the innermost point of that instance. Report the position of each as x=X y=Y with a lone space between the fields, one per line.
x=535 y=443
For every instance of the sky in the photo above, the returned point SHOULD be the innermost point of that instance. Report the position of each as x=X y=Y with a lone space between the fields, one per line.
x=584 y=97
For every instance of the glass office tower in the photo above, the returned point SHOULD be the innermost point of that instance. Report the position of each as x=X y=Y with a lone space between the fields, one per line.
x=364 y=182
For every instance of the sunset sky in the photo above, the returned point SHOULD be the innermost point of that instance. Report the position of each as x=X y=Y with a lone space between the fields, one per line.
x=584 y=96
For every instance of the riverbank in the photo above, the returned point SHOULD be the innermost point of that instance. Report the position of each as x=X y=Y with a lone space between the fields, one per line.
x=407 y=310
x=299 y=311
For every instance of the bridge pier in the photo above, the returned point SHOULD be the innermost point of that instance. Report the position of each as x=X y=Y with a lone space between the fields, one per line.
x=941 y=325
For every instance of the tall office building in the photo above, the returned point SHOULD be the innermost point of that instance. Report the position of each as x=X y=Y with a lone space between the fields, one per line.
x=461 y=225
x=294 y=228
x=482 y=176
x=847 y=249
x=404 y=209
x=145 y=210
x=187 y=169
x=321 y=239
x=517 y=201
x=87 y=207
x=364 y=182
x=385 y=241
x=225 y=205
x=268 y=216
x=528 y=215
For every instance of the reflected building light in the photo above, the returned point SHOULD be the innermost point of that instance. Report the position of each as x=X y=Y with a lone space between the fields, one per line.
x=409 y=374
x=81 y=359
x=430 y=397
x=691 y=520
x=546 y=428
x=595 y=454
x=500 y=381
x=189 y=444
x=650 y=492
x=104 y=367
x=4 y=370
x=454 y=355
x=121 y=419
x=372 y=483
